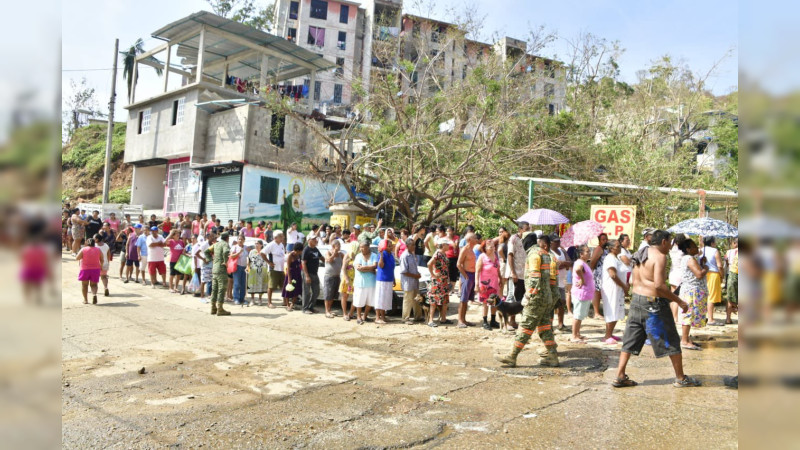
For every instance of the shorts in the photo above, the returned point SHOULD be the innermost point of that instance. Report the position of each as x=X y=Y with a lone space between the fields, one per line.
x=172 y=270
x=132 y=262
x=561 y=301
x=452 y=267
x=467 y=287
x=159 y=266
x=276 y=279
x=519 y=289
x=363 y=296
x=90 y=275
x=651 y=318
x=33 y=275
x=580 y=309
x=331 y=291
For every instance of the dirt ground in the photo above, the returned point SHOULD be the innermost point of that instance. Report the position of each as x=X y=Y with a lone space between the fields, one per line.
x=269 y=378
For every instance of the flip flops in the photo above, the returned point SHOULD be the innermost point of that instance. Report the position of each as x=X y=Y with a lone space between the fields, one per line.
x=577 y=341
x=691 y=347
x=610 y=341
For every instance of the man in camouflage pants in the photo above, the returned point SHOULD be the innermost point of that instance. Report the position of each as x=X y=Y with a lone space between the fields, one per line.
x=219 y=274
x=537 y=313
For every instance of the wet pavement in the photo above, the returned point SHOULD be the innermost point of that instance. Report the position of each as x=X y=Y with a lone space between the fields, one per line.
x=268 y=378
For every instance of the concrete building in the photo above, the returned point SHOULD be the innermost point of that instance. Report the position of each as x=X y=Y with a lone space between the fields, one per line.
x=208 y=143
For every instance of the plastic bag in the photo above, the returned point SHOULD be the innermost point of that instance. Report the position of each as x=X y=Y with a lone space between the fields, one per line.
x=194 y=285
x=184 y=265
x=232 y=265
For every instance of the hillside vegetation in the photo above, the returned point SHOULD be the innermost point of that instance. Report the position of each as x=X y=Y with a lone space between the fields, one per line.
x=83 y=160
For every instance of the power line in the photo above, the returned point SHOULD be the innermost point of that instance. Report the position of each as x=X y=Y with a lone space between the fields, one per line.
x=83 y=70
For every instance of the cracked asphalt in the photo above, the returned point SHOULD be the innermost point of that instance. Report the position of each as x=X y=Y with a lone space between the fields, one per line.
x=268 y=378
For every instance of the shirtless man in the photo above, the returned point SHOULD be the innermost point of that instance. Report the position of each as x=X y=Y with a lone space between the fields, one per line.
x=650 y=315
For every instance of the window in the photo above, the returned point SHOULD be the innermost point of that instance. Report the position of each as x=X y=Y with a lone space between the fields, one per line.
x=549 y=89
x=183 y=190
x=340 y=67
x=316 y=36
x=294 y=7
x=337 y=93
x=464 y=73
x=415 y=29
x=341 y=43
x=317 y=90
x=551 y=109
x=277 y=130
x=292 y=35
x=144 y=121
x=434 y=36
x=319 y=9
x=177 y=111
x=340 y=62
x=344 y=14
x=269 y=191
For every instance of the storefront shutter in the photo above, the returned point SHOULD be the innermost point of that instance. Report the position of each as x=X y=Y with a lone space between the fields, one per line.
x=221 y=198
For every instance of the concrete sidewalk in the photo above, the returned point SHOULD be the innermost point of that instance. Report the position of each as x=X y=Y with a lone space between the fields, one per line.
x=267 y=378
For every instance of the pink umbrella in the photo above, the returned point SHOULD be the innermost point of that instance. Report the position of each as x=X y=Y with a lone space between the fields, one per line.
x=543 y=217
x=581 y=233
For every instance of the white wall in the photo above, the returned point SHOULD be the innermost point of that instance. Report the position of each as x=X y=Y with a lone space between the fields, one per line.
x=147 y=187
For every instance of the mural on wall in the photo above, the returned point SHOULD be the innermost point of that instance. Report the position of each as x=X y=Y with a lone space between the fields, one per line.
x=284 y=198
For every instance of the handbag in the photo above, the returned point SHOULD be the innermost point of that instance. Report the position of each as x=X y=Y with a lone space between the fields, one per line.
x=232 y=265
x=184 y=265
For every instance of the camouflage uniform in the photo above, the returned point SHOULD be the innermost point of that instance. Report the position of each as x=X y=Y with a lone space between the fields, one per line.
x=219 y=276
x=537 y=314
x=554 y=282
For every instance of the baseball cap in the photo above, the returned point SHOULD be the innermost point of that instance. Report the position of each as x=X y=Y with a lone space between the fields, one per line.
x=137 y=226
x=312 y=236
x=647 y=231
x=357 y=226
x=153 y=228
x=555 y=237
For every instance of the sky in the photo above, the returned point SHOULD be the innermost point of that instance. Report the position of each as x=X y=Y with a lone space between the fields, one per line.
x=697 y=33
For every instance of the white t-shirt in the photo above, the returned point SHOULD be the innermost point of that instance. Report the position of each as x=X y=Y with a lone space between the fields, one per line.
x=104 y=254
x=562 y=273
x=196 y=249
x=610 y=289
x=643 y=244
x=623 y=268
x=242 y=260
x=154 y=254
x=516 y=248
x=278 y=253
x=293 y=237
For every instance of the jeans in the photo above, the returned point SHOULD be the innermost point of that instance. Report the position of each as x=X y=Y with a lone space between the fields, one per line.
x=239 y=284
x=310 y=292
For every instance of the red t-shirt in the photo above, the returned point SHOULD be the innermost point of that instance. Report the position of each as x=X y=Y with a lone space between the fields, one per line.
x=166 y=227
x=452 y=252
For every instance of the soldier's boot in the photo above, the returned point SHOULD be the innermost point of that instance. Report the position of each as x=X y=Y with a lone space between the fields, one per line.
x=221 y=311
x=549 y=358
x=213 y=308
x=510 y=360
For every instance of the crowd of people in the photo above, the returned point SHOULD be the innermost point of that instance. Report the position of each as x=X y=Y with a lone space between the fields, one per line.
x=220 y=264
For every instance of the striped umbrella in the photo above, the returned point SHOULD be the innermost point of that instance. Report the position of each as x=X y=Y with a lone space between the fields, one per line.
x=581 y=233
x=543 y=217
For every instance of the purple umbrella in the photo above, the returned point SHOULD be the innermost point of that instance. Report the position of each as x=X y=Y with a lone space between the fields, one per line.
x=543 y=217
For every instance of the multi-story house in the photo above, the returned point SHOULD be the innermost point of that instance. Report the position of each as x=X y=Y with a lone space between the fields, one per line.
x=206 y=142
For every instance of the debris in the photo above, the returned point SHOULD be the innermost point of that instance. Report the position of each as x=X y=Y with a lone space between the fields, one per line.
x=142 y=371
x=438 y=398
x=190 y=396
x=529 y=416
x=66 y=384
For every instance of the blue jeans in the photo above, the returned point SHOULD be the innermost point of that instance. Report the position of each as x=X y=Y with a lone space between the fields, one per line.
x=239 y=284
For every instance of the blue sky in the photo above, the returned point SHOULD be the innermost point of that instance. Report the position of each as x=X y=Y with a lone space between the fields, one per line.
x=697 y=32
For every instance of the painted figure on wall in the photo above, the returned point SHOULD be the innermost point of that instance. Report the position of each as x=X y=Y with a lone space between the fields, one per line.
x=292 y=207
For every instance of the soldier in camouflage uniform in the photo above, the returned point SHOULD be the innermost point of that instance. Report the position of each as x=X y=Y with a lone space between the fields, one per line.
x=537 y=313
x=219 y=275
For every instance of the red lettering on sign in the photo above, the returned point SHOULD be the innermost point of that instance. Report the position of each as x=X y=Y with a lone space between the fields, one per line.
x=618 y=230
x=625 y=216
x=612 y=216
x=600 y=216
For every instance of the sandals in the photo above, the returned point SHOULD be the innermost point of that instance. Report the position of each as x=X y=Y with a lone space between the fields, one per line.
x=270 y=306
x=624 y=382
x=691 y=346
x=329 y=316
x=347 y=318
x=687 y=381
x=445 y=321
x=360 y=322
x=577 y=341
x=94 y=299
x=433 y=324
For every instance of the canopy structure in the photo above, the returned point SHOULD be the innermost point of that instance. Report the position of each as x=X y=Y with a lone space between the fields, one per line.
x=212 y=48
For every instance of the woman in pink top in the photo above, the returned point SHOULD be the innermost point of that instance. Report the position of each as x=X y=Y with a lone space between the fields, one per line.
x=196 y=224
x=176 y=246
x=34 y=271
x=582 y=292
x=91 y=261
x=487 y=270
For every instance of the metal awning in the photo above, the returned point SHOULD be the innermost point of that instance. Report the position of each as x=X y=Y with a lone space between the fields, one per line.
x=227 y=41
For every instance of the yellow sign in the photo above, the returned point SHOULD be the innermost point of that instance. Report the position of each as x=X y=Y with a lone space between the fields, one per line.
x=617 y=219
x=340 y=219
x=363 y=220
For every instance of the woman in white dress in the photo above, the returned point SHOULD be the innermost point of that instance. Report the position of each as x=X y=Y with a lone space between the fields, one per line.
x=613 y=292
x=675 y=274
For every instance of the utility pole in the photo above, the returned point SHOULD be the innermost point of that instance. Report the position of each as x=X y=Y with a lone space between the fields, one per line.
x=110 y=130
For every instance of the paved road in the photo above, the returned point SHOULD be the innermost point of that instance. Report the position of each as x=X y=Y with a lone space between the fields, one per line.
x=268 y=378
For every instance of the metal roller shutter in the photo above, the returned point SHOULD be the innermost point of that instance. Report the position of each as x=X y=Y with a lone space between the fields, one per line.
x=221 y=198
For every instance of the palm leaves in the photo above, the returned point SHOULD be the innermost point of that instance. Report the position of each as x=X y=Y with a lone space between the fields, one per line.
x=129 y=58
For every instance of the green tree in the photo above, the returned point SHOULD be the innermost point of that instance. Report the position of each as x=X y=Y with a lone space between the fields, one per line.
x=128 y=62
x=245 y=11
